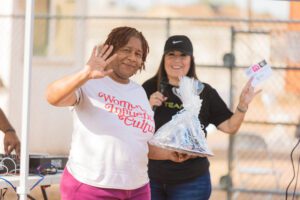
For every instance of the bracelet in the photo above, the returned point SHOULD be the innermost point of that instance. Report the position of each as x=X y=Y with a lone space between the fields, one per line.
x=241 y=110
x=9 y=130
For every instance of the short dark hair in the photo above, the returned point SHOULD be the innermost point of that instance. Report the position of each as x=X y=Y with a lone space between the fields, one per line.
x=120 y=36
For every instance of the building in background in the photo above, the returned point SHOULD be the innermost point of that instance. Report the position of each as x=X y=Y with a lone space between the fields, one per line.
x=293 y=50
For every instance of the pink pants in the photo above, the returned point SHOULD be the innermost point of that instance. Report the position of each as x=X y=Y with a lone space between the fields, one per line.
x=71 y=189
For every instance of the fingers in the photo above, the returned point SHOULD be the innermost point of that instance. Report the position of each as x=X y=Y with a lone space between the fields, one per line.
x=250 y=89
x=18 y=150
x=99 y=49
x=94 y=53
x=11 y=142
x=250 y=81
x=247 y=94
x=111 y=58
x=158 y=96
x=10 y=149
x=175 y=157
x=6 y=145
x=107 y=51
x=248 y=85
x=180 y=157
x=99 y=61
x=257 y=92
x=103 y=51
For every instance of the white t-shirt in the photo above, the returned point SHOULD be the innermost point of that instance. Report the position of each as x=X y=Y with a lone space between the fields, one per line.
x=112 y=125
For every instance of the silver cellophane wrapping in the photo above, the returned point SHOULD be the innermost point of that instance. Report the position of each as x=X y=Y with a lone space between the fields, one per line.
x=183 y=133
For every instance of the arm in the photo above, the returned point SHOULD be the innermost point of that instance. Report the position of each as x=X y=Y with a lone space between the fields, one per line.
x=62 y=91
x=233 y=124
x=11 y=140
x=156 y=153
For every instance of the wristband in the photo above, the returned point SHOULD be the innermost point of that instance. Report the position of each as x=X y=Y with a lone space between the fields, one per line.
x=241 y=110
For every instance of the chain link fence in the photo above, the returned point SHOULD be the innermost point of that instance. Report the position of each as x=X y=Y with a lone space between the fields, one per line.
x=256 y=165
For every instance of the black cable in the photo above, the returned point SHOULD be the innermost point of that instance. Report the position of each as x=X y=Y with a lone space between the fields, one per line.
x=296 y=178
x=287 y=189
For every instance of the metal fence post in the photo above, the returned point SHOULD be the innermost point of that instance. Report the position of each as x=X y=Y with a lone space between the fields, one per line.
x=168 y=26
x=231 y=138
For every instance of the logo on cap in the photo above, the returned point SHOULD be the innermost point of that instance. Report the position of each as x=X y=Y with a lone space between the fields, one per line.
x=175 y=42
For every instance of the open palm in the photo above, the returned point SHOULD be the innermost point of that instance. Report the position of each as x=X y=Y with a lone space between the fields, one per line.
x=96 y=65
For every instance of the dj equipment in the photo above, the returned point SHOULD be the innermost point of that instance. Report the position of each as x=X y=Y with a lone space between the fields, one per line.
x=38 y=163
x=46 y=164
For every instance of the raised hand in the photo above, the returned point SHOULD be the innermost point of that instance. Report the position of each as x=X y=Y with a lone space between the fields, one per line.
x=247 y=95
x=99 y=60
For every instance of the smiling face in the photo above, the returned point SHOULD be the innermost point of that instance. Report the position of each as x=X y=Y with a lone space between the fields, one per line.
x=177 y=64
x=128 y=61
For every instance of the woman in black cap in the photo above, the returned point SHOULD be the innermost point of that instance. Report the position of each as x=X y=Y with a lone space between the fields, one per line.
x=186 y=177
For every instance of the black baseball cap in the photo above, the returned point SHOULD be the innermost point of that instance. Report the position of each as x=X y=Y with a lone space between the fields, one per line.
x=179 y=43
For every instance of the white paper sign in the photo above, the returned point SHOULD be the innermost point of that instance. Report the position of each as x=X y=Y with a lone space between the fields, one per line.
x=260 y=72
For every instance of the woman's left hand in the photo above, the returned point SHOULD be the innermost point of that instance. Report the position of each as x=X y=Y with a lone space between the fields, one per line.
x=247 y=95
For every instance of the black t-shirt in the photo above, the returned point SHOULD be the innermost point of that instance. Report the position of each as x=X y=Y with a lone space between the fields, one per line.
x=213 y=110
